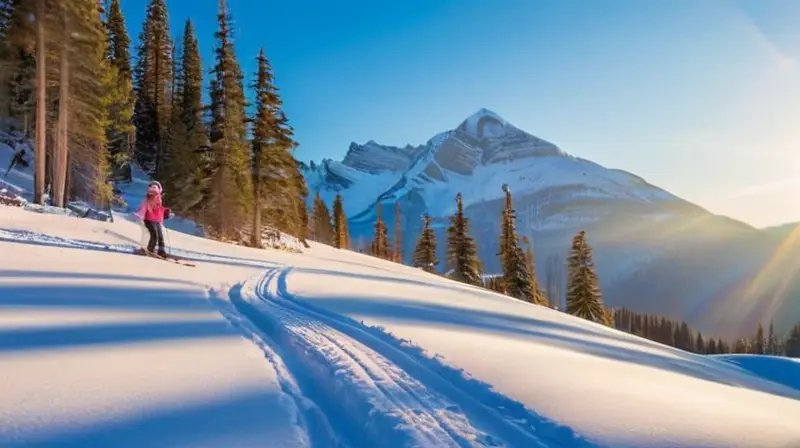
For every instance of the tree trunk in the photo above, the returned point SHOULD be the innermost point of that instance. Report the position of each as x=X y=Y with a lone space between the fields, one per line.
x=41 y=117
x=255 y=236
x=60 y=172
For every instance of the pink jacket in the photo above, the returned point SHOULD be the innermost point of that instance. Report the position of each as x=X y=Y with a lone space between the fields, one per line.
x=152 y=209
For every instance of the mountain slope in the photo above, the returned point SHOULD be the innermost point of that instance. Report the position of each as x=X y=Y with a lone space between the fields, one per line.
x=647 y=240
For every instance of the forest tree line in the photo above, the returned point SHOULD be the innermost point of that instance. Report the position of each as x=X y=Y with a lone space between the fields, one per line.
x=518 y=278
x=93 y=111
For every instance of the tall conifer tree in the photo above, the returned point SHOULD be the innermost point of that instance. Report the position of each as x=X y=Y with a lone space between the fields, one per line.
x=537 y=297
x=120 y=132
x=584 y=298
x=230 y=195
x=274 y=168
x=517 y=267
x=323 y=230
x=152 y=79
x=462 y=254
x=342 y=234
x=425 y=250
x=380 y=243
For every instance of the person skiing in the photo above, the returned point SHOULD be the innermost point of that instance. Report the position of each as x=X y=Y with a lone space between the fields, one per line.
x=152 y=213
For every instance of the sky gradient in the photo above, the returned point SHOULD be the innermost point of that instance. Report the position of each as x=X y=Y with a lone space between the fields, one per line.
x=701 y=98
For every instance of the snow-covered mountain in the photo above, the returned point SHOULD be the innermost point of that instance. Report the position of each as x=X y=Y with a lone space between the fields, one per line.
x=635 y=227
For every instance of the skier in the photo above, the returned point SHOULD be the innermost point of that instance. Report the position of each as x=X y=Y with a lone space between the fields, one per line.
x=152 y=213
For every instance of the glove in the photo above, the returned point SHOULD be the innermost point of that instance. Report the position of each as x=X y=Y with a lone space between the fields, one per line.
x=167 y=213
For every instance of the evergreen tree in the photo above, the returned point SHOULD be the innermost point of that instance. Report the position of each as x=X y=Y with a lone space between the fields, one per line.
x=86 y=87
x=380 y=243
x=27 y=41
x=425 y=250
x=700 y=345
x=274 y=167
x=741 y=345
x=186 y=171
x=323 y=231
x=120 y=130
x=711 y=347
x=300 y=192
x=792 y=344
x=517 y=267
x=397 y=247
x=772 y=341
x=342 y=234
x=759 y=343
x=230 y=193
x=584 y=298
x=462 y=254
x=495 y=283
x=118 y=51
x=539 y=297
x=152 y=79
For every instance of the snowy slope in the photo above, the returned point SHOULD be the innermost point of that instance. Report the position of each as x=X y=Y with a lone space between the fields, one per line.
x=254 y=347
x=781 y=370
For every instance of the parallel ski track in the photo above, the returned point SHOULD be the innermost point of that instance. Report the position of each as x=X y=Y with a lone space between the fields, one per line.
x=374 y=392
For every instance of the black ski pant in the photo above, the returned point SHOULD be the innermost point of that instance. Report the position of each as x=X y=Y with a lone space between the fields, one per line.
x=156 y=236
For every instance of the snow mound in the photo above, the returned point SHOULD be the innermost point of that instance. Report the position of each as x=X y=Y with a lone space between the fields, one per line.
x=785 y=371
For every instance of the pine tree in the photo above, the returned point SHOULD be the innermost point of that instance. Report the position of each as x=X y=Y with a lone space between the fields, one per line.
x=462 y=253
x=711 y=347
x=517 y=267
x=792 y=344
x=300 y=193
x=759 y=343
x=230 y=195
x=323 y=230
x=397 y=244
x=495 y=283
x=120 y=131
x=152 y=78
x=539 y=297
x=425 y=250
x=700 y=345
x=85 y=86
x=118 y=40
x=18 y=44
x=380 y=243
x=584 y=298
x=274 y=188
x=186 y=171
x=772 y=340
x=342 y=234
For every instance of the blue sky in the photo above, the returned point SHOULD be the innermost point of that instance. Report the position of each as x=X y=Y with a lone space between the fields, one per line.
x=701 y=98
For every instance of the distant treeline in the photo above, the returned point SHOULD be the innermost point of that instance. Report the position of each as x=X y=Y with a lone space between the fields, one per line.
x=680 y=335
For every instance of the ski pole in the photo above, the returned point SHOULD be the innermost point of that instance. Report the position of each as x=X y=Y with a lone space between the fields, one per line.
x=169 y=244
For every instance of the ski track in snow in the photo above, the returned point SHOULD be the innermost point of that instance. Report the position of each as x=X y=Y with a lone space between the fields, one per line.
x=377 y=390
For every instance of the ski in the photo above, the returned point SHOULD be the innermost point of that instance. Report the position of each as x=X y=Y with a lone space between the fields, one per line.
x=171 y=258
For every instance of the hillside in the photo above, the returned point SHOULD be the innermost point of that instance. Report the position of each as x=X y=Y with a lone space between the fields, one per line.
x=329 y=348
x=655 y=252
